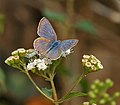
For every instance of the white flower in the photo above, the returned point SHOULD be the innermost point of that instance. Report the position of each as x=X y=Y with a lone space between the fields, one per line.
x=41 y=66
x=86 y=56
x=93 y=57
x=87 y=64
x=30 y=66
x=47 y=61
x=21 y=50
x=36 y=61
x=93 y=61
x=100 y=65
x=93 y=68
x=67 y=52
x=39 y=63
x=84 y=60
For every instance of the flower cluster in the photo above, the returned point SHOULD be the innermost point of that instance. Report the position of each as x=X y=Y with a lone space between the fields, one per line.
x=14 y=59
x=20 y=52
x=99 y=89
x=40 y=64
x=29 y=60
x=91 y=63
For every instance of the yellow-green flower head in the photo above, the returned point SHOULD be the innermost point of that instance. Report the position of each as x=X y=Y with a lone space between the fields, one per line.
x=91 y=63
x=12 y=60
x=21 y=52
x=15 y=52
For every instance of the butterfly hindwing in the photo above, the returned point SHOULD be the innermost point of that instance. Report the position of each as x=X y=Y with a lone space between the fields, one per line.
x=46 y=30
x=54 y=53
x=41 y=45
x=68 y=44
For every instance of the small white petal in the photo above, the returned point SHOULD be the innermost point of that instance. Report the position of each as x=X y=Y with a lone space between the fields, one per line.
x=30 y=66
x=67 y=52
x=41 y=66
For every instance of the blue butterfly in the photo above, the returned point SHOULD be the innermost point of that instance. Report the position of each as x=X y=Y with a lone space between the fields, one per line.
x=47 y=44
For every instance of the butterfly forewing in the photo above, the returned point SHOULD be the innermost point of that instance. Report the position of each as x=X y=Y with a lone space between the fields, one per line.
x=46 y=30
x=68 y=44
x=41 y=45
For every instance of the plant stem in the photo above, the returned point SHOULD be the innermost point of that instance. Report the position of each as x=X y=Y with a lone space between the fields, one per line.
x=53 y=89
x=38 y=87
x=76 y=83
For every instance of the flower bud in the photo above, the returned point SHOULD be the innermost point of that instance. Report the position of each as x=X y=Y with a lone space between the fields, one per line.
x=21 y=52
x=12 y=60
x=102 y=101
x=14 y=53
x=117 y=94
x=86 y=103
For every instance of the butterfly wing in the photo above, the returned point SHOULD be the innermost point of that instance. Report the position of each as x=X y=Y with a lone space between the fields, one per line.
x=68 y=44
x=54 y=53
x=46 y=30
x=41 y=45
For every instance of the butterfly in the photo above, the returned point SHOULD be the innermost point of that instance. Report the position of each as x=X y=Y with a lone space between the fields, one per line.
x=47 y=44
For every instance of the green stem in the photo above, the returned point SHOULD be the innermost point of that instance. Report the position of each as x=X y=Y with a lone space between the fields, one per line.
x=76 y=83
x=53 y=89
x=38 y=87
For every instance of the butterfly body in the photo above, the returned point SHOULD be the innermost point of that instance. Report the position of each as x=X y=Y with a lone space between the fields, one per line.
x=47 y=44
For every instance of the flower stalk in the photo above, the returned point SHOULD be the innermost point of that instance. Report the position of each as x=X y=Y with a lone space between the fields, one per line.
x=27 y=73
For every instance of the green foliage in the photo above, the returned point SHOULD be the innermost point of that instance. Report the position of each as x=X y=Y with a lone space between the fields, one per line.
x=72 y=95
x=2 y=82
x=99 y=93
x=60 y=17
x=1 y=23
x=19 y=85
x=47 y=91
x=86 y=26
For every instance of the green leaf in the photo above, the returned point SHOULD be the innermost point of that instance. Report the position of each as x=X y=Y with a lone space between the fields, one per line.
x=47 y=91
x=72 y=95
x=54 y=15
x=1 y=23
x=87 y=26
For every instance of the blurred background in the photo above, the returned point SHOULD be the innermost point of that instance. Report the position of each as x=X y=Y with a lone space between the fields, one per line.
x=96 y=23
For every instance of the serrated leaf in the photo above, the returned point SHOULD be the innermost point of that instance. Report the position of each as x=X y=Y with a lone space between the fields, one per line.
x=87 y=26
x=54 y=15
x=72 y=95
x=47 y=91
